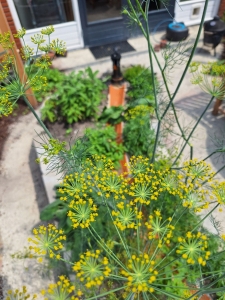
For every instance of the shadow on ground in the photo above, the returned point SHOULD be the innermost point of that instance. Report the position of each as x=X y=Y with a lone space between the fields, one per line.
x=211 y=134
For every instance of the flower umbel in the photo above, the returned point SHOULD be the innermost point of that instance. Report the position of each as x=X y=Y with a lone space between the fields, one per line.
x=47 y=241
x=63 y=289
x=48 y=30
x=6 y=106
x=82 y=213
x=92 y=268
x=193 y=248
x=140 y=274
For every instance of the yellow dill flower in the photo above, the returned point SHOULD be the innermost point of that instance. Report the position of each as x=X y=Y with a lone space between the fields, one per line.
x=140 y=274
x=194 y=200
x=159 y=230
x=194 y=248
x=47 y=241
x=125 y=216
x=38 y=39
x=37 y=82
x=27 y=52
x=99 y=163
x=82 y=213
x=139 y=165
x=19 y=294
x=20 y=33
x=138 y=112
x=194 y=66
x=43 y=62
x=218 y=191
x=63 y=289
x=202 y=76
x=6 y=107
x=48 y=30
x=92 y=268
x=112 y=181
x=59 y=47
x=73 y=186
x=5 y=66
x=197 y=170
x=5 y=41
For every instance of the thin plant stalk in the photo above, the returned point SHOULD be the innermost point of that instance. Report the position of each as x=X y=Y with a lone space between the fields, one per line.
x=192 y=131
x=37 y=117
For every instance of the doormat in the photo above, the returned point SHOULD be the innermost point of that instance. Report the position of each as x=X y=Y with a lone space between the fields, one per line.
x=107 y=50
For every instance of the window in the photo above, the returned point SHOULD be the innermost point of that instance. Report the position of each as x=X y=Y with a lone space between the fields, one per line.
x=39 y=13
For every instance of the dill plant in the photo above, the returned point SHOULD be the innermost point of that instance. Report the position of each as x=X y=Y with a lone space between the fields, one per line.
x=147 y=255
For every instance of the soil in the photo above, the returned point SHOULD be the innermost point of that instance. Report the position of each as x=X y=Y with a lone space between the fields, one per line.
x=69 y=133
x=58 y=130
x=21 y=109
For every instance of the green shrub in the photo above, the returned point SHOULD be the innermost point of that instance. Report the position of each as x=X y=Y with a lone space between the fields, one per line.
x=103 y=142
x=76 y=98
x=140 y=80
x=138 y=137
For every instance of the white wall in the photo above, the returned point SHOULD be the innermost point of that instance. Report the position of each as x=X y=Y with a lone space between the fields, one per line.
x=184 y=11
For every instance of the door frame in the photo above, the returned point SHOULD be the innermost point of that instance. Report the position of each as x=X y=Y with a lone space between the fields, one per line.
x=100 y=27
x=86 y=26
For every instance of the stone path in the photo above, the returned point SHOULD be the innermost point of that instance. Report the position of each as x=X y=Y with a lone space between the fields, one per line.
x=22 y=196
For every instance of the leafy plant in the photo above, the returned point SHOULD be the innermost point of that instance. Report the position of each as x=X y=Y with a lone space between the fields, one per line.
x=138 y=137
x=76 y=98
x=148 y=254
x=140 y=80
x=112 y=115
x=102 y=141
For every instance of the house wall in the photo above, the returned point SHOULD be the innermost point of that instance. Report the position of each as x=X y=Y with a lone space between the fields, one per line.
x=190 y=12
x=9 y=18
x=221 y=8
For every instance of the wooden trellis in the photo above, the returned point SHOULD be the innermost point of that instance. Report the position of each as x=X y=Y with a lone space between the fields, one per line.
x=4 y=27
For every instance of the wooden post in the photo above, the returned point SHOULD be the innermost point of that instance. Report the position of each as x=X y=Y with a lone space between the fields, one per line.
x=4 y=27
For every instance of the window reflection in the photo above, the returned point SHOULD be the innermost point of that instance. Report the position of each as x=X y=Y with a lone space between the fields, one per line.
x=154 y=4
x=103 y=9
x=39 y=13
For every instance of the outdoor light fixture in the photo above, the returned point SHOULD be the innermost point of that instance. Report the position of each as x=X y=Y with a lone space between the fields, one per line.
x=117 y=76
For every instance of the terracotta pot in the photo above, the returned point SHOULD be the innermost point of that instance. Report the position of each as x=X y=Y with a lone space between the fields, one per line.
x=163 y=44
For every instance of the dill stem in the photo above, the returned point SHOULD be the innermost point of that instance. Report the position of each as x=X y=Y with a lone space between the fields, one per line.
x=156 y=141
x=191 y=56
x=192 y=131
x=36 y=116
x=206 y=216
x=150 y=59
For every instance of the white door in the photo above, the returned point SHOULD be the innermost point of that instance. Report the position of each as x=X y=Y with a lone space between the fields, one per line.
x=64 y=15
x=190 y=11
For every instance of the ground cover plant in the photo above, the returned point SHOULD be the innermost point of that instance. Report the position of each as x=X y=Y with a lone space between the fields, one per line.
x=155 y=246
x=141 y=84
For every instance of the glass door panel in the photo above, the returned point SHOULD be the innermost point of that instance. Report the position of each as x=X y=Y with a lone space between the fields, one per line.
x=103 y=9
x=39 y=13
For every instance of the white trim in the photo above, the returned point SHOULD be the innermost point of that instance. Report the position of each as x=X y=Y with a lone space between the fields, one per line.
x=76 y=12
x=14 y=14
x=216 y=7
x=189 y=2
